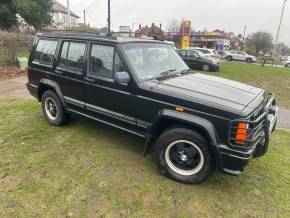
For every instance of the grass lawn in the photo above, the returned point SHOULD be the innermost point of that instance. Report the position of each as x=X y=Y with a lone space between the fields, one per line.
x=273 y=79
x=85 y=169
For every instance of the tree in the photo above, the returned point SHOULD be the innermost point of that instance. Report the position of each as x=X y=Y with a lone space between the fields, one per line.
x=283 y=49
x=174 y=26
x=7 y=15
x=260 y=41
x=37 y=13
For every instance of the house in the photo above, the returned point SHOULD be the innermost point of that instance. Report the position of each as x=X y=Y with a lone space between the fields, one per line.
x=153 y=31
x=60 y=16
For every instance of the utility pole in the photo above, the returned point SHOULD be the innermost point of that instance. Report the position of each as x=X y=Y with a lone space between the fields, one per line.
x=85 y=17
x=279 y=27
x=68 y=14
x=244 y=35
x=109 y=17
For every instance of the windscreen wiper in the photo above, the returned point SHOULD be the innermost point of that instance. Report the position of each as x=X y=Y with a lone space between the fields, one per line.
x=167 y=72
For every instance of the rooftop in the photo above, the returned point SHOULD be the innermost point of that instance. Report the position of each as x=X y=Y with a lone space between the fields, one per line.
x=60 y=8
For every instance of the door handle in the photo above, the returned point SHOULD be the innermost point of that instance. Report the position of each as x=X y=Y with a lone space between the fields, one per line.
x=59 y=72
x=90 y=80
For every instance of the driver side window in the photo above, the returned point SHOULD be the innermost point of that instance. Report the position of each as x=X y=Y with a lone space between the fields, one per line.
x=102 y=61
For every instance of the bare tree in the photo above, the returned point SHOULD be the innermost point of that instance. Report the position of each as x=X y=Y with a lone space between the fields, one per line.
x=260 y=41
x=174 y=26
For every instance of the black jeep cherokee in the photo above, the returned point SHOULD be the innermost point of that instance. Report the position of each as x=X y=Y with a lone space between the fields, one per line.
x=192 y=123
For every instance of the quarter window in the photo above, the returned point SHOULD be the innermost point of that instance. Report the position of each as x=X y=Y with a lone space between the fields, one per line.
x=45 y=51
x=73 y=54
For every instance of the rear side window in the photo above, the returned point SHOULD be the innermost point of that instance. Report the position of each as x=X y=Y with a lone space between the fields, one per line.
x=45 y=51
x=205 y=51
x=73 y=54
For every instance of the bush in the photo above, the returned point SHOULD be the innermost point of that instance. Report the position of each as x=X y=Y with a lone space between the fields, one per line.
x=15 y=40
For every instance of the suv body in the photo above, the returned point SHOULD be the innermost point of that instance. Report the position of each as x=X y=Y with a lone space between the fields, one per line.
x=198 y=61
x=191 y=122
x=208 y=53
x=240 y=56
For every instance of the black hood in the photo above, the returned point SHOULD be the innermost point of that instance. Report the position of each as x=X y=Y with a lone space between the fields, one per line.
x=215 y=90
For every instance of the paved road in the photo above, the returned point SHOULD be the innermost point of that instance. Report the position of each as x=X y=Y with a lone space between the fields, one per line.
x=15 y=88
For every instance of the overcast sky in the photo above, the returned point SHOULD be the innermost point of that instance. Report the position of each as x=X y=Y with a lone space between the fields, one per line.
x=229 y=15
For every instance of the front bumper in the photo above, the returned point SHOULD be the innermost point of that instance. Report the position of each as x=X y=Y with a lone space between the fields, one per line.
x=233 y=160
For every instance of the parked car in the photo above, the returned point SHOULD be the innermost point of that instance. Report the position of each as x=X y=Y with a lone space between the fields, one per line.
x=287 y=64
x=197 y=61
x=208 y=53
x=191 y=122
x=240 y=56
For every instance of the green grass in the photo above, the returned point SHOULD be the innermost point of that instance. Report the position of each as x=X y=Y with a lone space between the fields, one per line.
x=88 y=170
x=272 y=79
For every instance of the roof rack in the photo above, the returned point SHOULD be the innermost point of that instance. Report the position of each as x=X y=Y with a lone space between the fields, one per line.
x=81 y=33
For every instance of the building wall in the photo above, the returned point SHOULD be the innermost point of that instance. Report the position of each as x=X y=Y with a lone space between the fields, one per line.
x=61 y=19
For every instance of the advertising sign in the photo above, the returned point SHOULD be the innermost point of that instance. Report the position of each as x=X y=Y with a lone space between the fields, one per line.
x=185 y=41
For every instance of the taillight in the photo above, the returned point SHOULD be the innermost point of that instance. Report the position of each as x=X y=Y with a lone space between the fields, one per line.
x=241 y=135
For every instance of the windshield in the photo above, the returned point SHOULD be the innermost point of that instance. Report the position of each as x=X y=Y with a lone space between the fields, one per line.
x=152 y=60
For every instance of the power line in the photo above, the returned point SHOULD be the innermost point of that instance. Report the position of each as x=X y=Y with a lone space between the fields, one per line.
x=279 y=27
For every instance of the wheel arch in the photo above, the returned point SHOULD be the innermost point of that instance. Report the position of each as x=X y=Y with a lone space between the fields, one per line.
x=47 y=84
x=167 y=119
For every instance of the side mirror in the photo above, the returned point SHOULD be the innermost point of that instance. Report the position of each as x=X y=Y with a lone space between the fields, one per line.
x=122 y=78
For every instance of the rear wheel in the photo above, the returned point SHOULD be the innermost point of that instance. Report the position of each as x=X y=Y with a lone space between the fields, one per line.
x=249 y=60
x=53 y=109
x=229 y=58
x=183 y=155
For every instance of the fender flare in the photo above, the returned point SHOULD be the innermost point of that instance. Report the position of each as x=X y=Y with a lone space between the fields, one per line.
x=56 y=88
x=201 y=123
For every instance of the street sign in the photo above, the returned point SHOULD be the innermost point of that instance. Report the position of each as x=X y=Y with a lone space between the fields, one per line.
x=185 y=41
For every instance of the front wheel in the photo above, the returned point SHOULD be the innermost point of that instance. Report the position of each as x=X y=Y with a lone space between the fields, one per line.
x=183 y=155
x=229 y=58
x=206 y=67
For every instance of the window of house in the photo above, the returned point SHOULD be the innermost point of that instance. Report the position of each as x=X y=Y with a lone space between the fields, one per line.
x=45 y=51
x=73 y=54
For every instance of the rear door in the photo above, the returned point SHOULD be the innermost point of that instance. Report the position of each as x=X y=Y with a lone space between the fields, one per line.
x=70 y=72
x=105 y=99
x=241 y=56
x=42 y=59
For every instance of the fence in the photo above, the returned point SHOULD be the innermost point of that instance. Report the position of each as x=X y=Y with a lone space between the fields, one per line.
x=8 y=55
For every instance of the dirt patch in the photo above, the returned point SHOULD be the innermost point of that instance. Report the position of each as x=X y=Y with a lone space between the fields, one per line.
x=36 y=176
x=12 y=182
x=11 y=72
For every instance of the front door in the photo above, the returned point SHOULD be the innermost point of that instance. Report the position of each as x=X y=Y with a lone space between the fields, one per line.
x=192 y=60
x=105 y=99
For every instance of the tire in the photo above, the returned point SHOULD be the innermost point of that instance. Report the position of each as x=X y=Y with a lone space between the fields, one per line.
x=287 y=65
x=205 y=67
x=249 y=60
x=53 y=110
x=229 y=58
x=183 y=155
